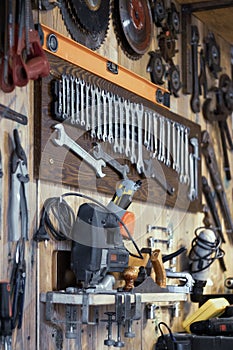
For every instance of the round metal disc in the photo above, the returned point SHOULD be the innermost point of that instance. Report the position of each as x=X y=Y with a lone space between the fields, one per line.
x=156 y=68
x=158 y=12
x=136 y=22
x=91 y=40
x=93 y=15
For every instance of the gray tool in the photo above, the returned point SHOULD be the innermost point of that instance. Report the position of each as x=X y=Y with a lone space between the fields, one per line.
x=1 y=175
x=64 y=140
x=100 y=154
x=186 y=285
x=140 y=163
x=194 y=158
x=151 y=172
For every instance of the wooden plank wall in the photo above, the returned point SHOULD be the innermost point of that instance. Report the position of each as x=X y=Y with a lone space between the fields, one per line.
x=38 y=334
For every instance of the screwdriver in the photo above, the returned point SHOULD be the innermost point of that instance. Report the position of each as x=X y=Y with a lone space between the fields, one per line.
x=5 y=315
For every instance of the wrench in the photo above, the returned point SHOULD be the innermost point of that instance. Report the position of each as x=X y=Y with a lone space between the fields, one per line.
x=64 y=104
x=72 y=79
x=77 y=100
x=64 y=140
x=104 y=97
x=127 y=112
x=121 y=111
x=68 y=99
x=155 y=127
x=168 y=160
x=133 y=157
x=99 y=122
x=110 y=115
x=100 y=154
x=140 y=163
x=182 y=146
x=88 y=125
x=148 y=147
x=186 y=159
x=146 y=142
x=82 y=84
x=116 y=110
x=93 y=111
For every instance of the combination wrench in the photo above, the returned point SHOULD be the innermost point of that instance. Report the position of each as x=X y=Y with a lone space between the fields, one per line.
x=64 y=140
x=99 y=153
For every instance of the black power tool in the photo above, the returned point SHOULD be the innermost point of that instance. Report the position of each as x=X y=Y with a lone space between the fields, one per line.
x=97 y=236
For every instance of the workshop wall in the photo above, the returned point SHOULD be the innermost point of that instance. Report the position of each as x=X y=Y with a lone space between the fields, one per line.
x=41 y=258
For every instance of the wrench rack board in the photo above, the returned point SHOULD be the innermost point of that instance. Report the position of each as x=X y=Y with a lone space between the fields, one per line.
x=58 y=164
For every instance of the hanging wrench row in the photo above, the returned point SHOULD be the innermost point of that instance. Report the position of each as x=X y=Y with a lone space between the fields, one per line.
x=112 y=118
x=168 y=141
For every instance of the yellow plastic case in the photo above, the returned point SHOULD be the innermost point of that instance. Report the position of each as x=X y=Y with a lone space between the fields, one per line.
x=211 y=308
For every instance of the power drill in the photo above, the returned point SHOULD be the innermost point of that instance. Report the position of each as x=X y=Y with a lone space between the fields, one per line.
x=97 y=236
x=214 y=326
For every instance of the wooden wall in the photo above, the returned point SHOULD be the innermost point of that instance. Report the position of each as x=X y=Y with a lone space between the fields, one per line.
x=36 y=333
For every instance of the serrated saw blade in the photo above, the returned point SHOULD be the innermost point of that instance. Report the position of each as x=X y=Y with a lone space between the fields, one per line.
x=93 y=15
x=133 y=26
x=92 y=40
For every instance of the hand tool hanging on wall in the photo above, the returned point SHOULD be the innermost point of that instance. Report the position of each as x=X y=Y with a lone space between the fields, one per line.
x=211 y=163
x=1 y=176
x=86 y=21
x=18 y=282
x=212 y=206
x=132 y=22
x=63 y=139
x=5 y=315
x=8 y=113
x=222 y=99
x=18 y=210
x=202 y=76
x=195 y=99
x=23 y=56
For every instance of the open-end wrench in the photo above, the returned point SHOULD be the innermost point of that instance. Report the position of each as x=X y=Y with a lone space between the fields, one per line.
x=64 y=140
x=177 y=167
x=68 y=99
x=77 y=101
x=88 y=125
x=82 y=84
x=133 y=157
x=100 y=154
x=149 y=115
x=182 y=148
x=99 y=121
x=105 y=132
x=174 y=161
x=140 y=163
x=93 y=111
x=127 y=137
x=110 y=116
x=155 y=130
x=168 y=160
x=186 y=156
x=64 y=102
x=121 y=111
x=72 y=99
x=116 y=118
x=146 y=117
x=151 y=172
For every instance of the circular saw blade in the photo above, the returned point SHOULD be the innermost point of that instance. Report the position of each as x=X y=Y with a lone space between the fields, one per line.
x=133 y=26
x=91 y=40
x=92 y=15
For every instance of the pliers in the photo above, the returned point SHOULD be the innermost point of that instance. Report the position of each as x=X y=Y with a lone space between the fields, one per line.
x=18 y=211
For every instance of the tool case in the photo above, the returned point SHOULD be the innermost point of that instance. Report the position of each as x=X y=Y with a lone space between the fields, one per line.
x=185 y=341
x=211 y=308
